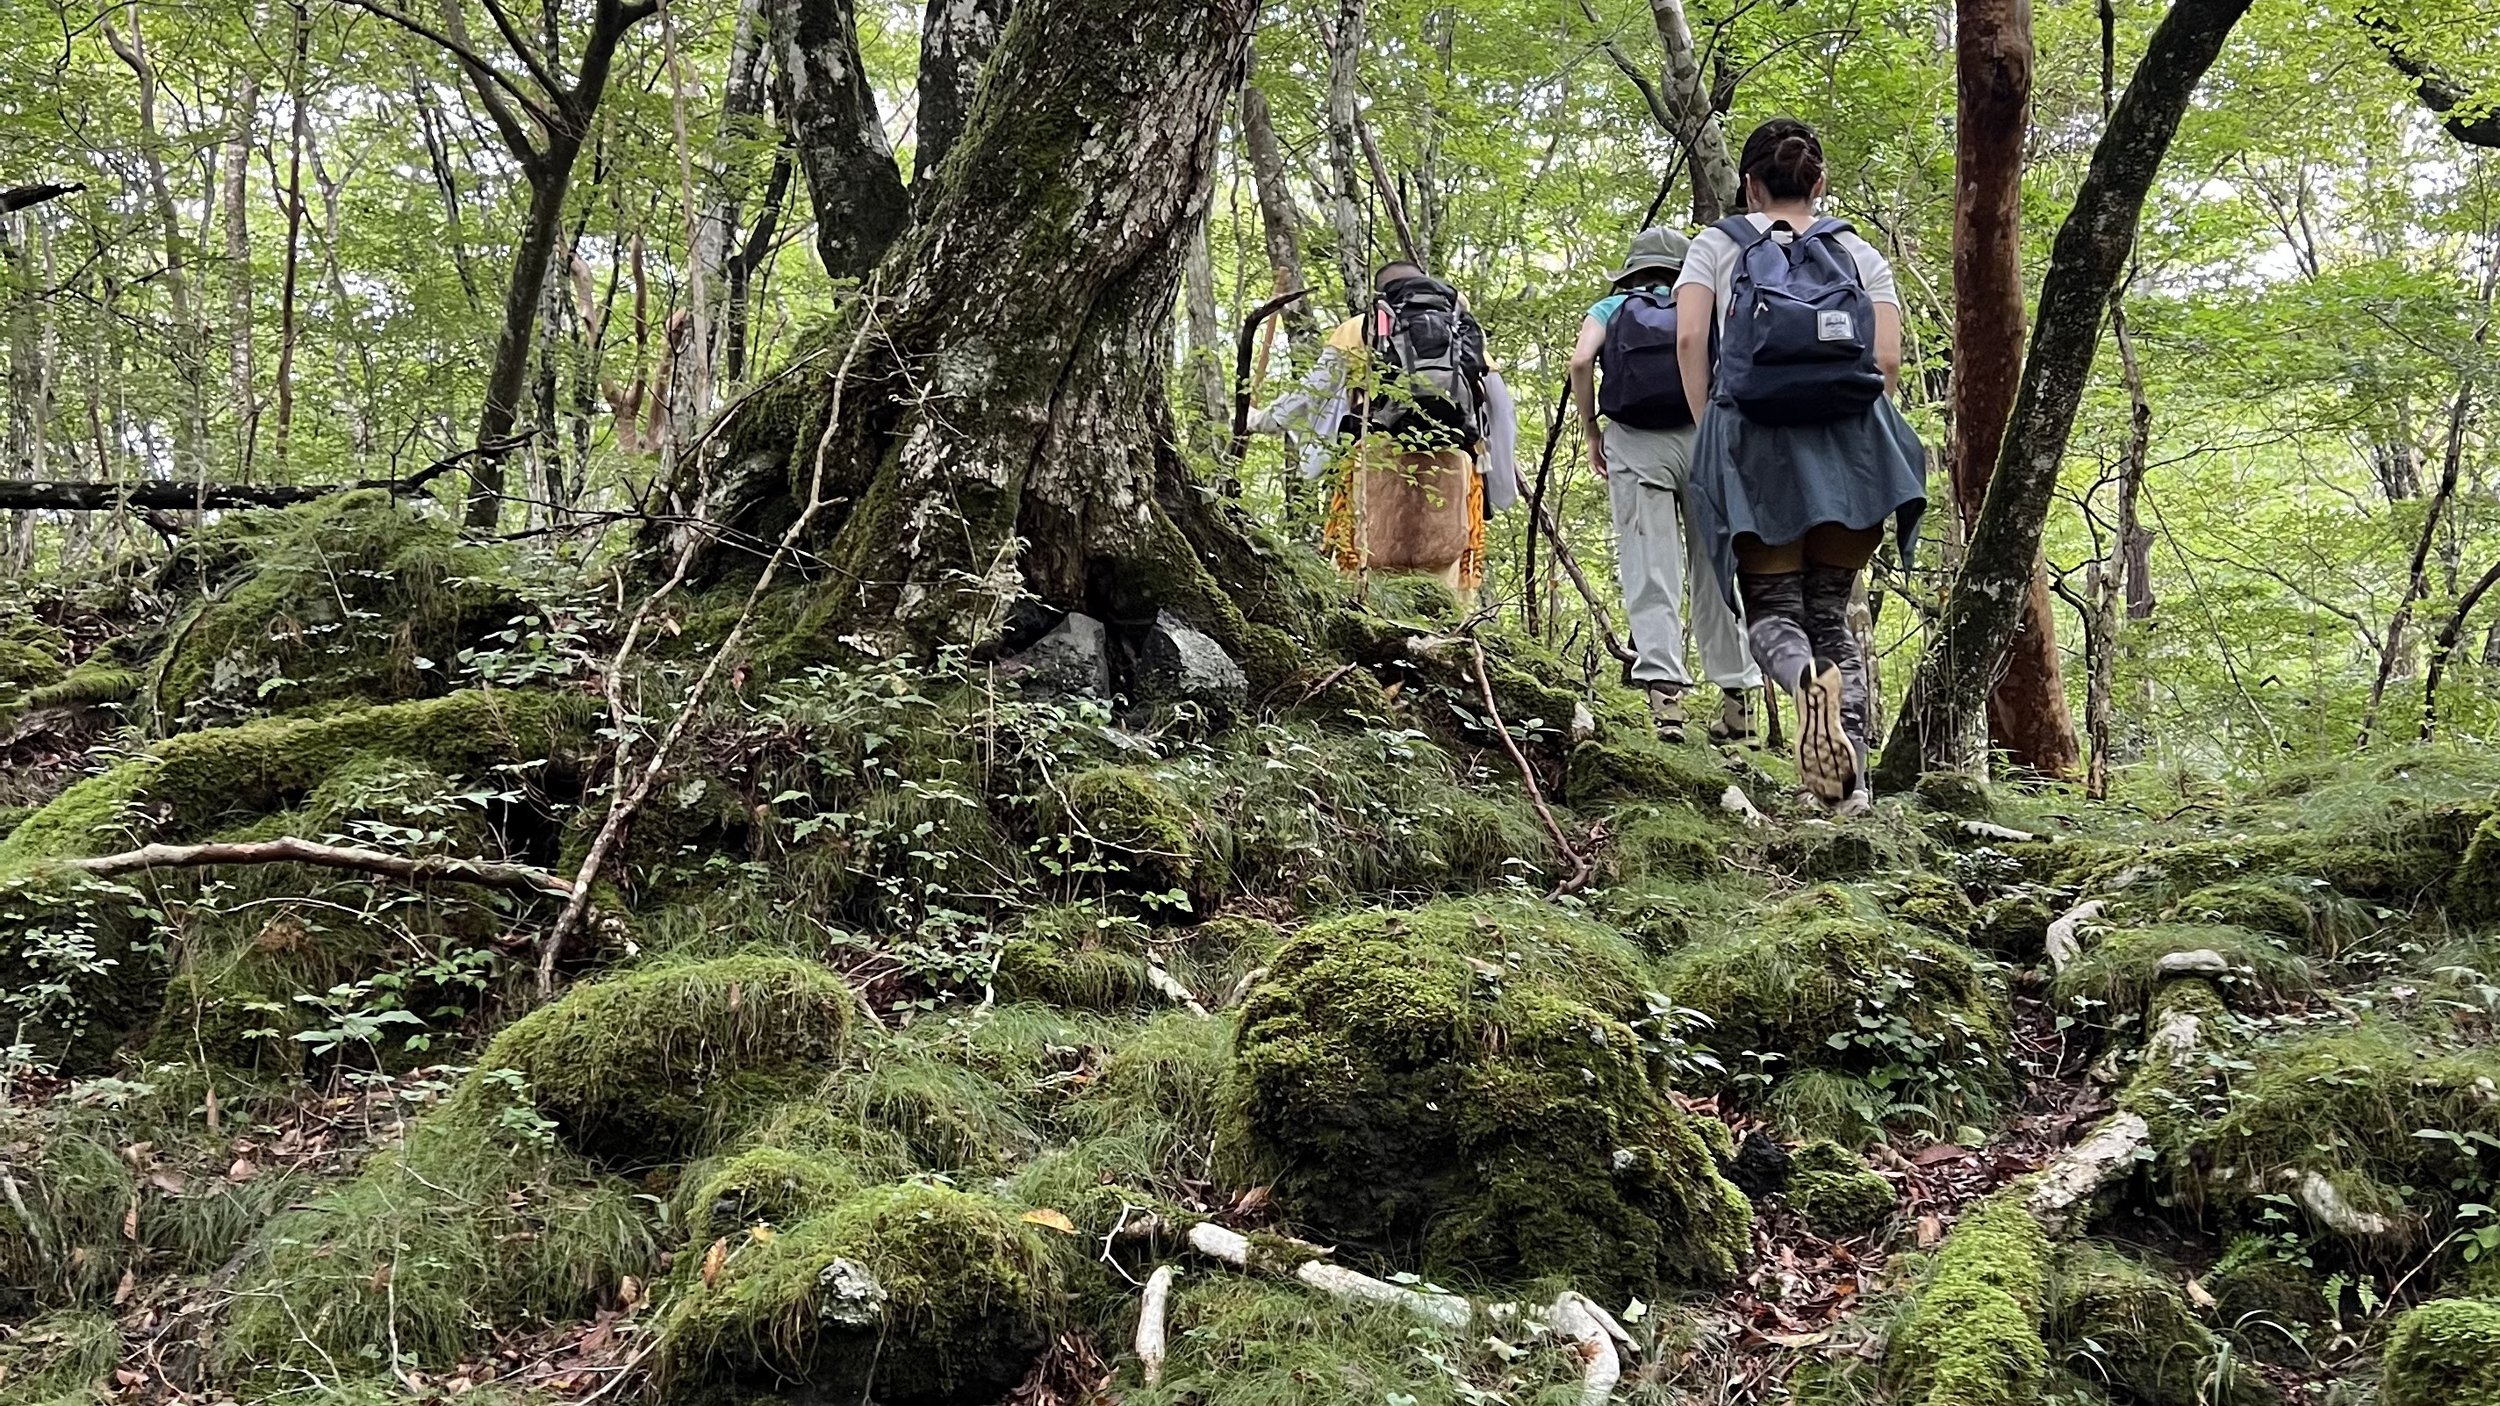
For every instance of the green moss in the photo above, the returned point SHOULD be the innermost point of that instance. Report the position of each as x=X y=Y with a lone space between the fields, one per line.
x=2114 y=1321
x=1972 y=1337
x=2474 y=893
x=773 y=1186
x=1931 y=902
x=1664 y=842
x=1818 y=986
x=1239 y=1341
x=2014 y=927
x=1952 y=793
x=1664 y=917
x=1123 y=827
x=82 y=960
x=354 y=595
x=1820 y=849
x=2445 y=1353
x=632 y=1067
x=950 y=1118
x=2111 y=981
x=219 y=1020
x=1631 y=767
x=1837 y=1193
x=1462 y=1087
x=190 y=786
x=2266 y=1303
x=32 y=655
x=1077 y=956
x=1825 y=1104
x=473 y=1223
x=95 y=683
x=915 y=1293
x=2258 y=907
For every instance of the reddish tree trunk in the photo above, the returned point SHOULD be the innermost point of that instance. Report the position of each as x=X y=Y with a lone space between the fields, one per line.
x=2028 y=716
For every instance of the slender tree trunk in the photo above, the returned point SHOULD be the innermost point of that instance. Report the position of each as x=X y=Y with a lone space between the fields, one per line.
x=1944 y=718
x=957 y=38
x=2028 y=715
x=508 y=375
x=190 y=420
x=1207 y=343
x=858 y=191
x=727 y=169
x=1278 y=217
x=2135 y=540
x=750 y=257
x=1345 y=154
x=236 y=204
x=446 y=182
x=2417 y=572
x=1698 y=125
x=298 y=129
x=2446 y=647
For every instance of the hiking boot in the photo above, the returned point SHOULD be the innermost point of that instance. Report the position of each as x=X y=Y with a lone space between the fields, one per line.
x=1735 y=722
x=1827 y=759
x=1859 y=802
x=1666 y=711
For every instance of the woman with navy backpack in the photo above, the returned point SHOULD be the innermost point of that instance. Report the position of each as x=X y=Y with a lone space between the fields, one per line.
x=1801 y=456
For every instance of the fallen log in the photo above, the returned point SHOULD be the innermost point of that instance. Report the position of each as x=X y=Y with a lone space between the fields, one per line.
x=162 y=495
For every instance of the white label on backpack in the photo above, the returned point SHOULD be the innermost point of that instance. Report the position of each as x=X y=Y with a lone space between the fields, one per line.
x=1834 y=327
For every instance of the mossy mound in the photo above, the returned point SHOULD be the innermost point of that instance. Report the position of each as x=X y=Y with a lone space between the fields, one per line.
x=190 y=786
x=1952 y=793
x=1972 y=1335
x=2390 y=1124
x=1819 y=850
x=32 y=655
x=1666 y=916
x=912 y=1293
x=1080 y=957
x=1932 y=902
x=2258 y=907
x=762 y=1186
x=1664 y=842
x=2115 y=1321
x=1821 y=983
x=220 y=1021
x=638 y=1066
x=2445 y=1353
x=1836 y=1192
x=2014 y=927
x=82 y=959
x=1123 y=828
x=350 y=596
x=2266 y=1303
x=2109 y=984
x=476 y=1221
x=1464 y=1086
x=61 y=1358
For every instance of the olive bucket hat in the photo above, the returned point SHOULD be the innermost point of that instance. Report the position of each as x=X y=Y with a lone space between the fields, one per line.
x=1657 y=249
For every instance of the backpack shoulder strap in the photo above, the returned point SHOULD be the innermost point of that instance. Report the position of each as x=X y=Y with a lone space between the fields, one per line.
x=1828 y=227
x=1743 y=230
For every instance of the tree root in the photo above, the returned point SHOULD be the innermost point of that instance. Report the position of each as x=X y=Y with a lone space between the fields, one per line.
x=2061 y=1198
x=511 y=878
x=1169 y=987
x=1579 y=1321
x=2062 y=944
x=1152 y=1308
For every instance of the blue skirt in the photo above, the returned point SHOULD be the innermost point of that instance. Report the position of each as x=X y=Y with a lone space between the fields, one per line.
x=1776 y=481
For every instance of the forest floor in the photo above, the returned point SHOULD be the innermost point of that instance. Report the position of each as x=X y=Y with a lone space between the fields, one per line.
x=922 y=1021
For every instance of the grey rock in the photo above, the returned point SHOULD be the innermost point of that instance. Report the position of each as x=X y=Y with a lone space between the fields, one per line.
x=1177 y=663
x=2204 y=961
x=1074 y=658
x=850 y=1297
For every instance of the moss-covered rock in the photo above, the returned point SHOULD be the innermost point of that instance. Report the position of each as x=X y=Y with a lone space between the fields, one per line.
x=2014 y=927
x=2109 y=983
x=911 y=1293
x=82 y=960
x=636 y=1066
x=350 y=596
x=2134 y=1330
x=1628 y=766
x=1664 y=842
x=2266 y=1303
x=190 y=786
x=1123 y=828
x=2258 y=907
x=770 y=1186
x=1952 y=793
x=1932 y=902
x=1666 y=916
x=2474 y=891
x=218 y=1019
x=1464 y=1086
x=1836 y=1192
x=1819 y=850
x=1077 y=956
x=2445 y=1353
x=1820 y=983
x=1972 y=1337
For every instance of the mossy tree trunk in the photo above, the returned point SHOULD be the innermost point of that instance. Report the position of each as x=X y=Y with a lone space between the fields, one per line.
x=1003 y=426
x=1943 y=724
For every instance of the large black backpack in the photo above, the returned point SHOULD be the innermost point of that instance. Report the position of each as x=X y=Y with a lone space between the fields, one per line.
x=1798 y=343
x=1640 y=381
x=1428 y=363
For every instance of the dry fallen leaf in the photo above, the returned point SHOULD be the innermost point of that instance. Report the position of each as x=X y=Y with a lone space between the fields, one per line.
x=629 y=1291
x=1930 y=1232
x=2196 y=1294
x=763 y=1234
x=714 y=1259
x=128 y=1286
x=130 y=1222
x=244 y=1169
x=1053 y=1219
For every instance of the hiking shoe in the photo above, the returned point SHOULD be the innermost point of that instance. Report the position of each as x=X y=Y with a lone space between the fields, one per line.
x=1666 y=711
x=1827 y=760
x=1859 y=802
x=1735 y=722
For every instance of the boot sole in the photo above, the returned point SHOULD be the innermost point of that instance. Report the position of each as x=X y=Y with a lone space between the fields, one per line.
x=1827 y=761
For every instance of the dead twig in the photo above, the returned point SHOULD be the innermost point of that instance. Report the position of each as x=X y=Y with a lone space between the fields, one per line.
x=1582 y=867
x=512 y=878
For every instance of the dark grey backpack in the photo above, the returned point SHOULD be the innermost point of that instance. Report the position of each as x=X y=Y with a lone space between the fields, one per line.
x=1798 y=345
x=1428 y=358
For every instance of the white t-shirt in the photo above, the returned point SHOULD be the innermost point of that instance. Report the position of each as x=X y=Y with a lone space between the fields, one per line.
x=1711 y=264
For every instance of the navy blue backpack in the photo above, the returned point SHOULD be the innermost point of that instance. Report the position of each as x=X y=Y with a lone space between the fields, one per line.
x=1798 y=345
x=1641 y=384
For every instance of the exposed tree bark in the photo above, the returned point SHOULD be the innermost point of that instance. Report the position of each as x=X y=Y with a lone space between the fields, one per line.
x=1696 y=113
x=512 y=878
x=543 y=120
x=1206 y=343
x=750 y=258
x=727 y=169
x=957 y=38
x=2135 y=540
x=857 y=189
x=993 y=446
x=1942 y=721
x=16 y=198
x=1345 y=160
x=2028 y=716
x=1278 y=217
x=2439 y=92
x=1391 y=199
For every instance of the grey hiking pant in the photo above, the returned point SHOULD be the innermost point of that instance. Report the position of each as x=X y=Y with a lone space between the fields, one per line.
x=1654 y=545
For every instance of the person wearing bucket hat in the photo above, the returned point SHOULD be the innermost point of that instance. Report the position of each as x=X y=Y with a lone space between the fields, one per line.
x=1644 y=451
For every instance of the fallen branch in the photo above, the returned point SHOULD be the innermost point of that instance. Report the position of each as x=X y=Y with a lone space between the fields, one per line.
x=1583 y=1324
x=1242 y=351
x=512 y=878
x=2002 y=834
x=174 y=495
x=1583 y=868
x=1233 y=1248
x=1571 y=568
x=1170 y=988
x=1152 y=1308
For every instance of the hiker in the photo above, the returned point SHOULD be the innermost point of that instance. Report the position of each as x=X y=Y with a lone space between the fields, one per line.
x=1801 y=455
x=1643 y=452
x=1432 y=428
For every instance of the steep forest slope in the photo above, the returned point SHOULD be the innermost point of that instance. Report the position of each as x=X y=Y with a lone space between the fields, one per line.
x=929 y=1014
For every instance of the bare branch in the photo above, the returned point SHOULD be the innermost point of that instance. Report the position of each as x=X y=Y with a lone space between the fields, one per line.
x=484 y=76
x=512 y=878
x=520 y=47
